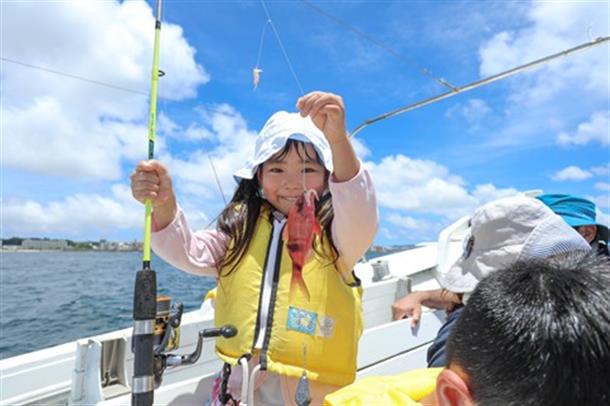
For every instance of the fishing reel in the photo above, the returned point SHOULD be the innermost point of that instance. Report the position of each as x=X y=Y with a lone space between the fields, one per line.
x=167 y=325
x=167 y=338
x=166 y=333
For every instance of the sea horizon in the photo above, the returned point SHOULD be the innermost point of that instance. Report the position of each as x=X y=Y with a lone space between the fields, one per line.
x=49 y=298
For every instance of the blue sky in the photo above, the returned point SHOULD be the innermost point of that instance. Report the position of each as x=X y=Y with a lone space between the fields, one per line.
x=68 y=146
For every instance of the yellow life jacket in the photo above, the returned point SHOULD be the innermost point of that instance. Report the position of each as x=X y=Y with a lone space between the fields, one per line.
x=405 y=389
x=320 y=336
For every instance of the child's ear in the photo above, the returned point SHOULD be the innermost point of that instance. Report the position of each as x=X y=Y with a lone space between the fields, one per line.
x=452 y=390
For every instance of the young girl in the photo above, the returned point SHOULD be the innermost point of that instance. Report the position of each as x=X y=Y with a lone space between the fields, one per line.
x=285 y=346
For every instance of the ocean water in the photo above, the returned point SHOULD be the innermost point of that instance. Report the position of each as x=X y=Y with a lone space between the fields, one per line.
x=49 y=298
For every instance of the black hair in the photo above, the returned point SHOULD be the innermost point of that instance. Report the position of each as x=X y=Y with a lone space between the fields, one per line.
x=538 y=333
x=238 y=219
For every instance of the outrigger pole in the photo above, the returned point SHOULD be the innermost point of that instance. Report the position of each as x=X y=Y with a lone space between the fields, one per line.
x=145 y=291
x=479 y=83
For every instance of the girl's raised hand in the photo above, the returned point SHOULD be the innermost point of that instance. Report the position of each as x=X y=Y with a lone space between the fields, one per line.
x=327 y=112
x=151 y=180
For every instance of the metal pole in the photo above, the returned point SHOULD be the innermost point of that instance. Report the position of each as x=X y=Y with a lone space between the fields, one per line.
x=145 y=290
x=479 y=83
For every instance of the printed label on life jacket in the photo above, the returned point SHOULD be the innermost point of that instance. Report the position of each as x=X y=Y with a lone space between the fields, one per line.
x=302 y=321
x=326 y=326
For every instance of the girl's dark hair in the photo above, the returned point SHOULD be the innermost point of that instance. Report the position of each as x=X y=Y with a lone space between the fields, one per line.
x=238 y=219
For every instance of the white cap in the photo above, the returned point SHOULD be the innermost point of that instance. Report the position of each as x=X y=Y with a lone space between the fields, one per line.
x=280 y=127
x=507 y=230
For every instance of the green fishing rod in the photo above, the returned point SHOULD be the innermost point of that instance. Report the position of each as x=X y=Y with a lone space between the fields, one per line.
x=145 y=290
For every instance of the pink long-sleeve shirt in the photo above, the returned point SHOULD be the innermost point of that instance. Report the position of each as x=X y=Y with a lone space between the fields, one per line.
x=353 y=229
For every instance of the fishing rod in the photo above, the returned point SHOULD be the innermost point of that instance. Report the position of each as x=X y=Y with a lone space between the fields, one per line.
x=145 y=290
x=478 y=83
x=155 y=323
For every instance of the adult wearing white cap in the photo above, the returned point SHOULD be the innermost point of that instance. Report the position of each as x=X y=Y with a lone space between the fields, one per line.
x=502 y=232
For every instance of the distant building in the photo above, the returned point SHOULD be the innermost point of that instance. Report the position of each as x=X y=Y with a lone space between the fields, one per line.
x=105 y=245
x=30 y=244
x=11 y=247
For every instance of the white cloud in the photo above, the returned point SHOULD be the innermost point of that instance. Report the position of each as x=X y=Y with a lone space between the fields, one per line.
x=409 y=184
x=229 y=143
x=166 y=126
x=603 y=186
x=403 y=183
x=169 y=128
x=601 y=201
x=555 y=96
x=77 y=215
x=602 y=218
x=473 y=111
x=44 y=138
x=194 y=132
x=554 y=26
x=571 y=173
x=488 y=192
x=233 y=145
x=63 y=126
x=360 y=147
x=406 y=222
x=596 y=129
x=400 y=227
x=601 y=170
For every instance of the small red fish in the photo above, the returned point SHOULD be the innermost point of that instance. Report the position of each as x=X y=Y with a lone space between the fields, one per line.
x=299 y=234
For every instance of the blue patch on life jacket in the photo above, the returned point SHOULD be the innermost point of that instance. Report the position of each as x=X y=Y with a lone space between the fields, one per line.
x=302 y=321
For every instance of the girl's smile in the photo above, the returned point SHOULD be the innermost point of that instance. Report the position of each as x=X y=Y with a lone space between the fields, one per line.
x=286 y=176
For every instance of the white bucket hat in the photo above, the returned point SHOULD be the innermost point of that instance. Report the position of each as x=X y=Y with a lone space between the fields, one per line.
x=280 y=127
x=507 y=230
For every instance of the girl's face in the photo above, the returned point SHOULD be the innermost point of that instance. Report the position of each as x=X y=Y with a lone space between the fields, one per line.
x=286 y=175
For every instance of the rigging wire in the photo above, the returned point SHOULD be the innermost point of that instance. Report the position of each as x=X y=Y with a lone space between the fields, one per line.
x=478 y=83
x=72 y=76
x=279 y=40
x=424 y=71
x=116 y=87
x=95 y=82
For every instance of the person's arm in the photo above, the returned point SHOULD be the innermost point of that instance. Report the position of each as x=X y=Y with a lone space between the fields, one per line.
x=172 y=238
x=410 y=305
x=354 y=203
x=327 y=112
x=193 y=252
x=355 y=216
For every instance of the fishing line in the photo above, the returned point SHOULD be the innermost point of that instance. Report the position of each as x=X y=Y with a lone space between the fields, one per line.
x=424 y=71
x=72 y=76
x=217 y=180
x=279 y=40
x=260 y=45
x=256 y=72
